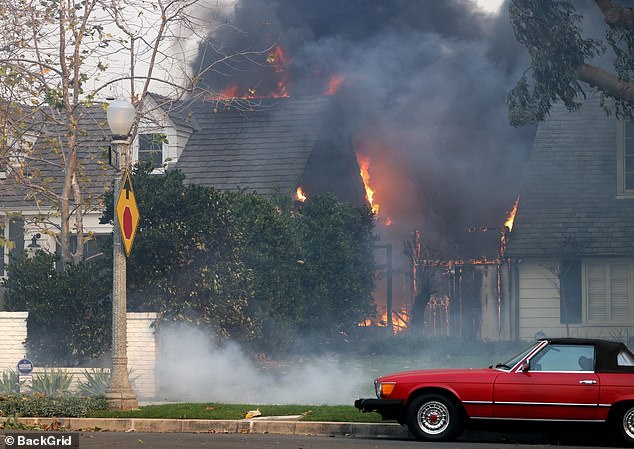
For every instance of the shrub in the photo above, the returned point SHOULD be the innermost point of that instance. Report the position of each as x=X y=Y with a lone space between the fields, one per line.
x=69 y=312
x=95 y=384
x=44 y=406
x=9 y=382
x=98 y=380
x=52 y=383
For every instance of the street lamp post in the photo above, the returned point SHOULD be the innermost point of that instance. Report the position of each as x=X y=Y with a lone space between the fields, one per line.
x=120 y=396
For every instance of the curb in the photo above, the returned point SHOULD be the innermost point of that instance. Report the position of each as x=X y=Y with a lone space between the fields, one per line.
x=280 y=427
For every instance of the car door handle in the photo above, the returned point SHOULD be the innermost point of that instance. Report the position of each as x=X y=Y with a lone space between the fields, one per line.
x=588 y=382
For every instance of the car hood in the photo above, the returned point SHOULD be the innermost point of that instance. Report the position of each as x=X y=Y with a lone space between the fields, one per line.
x=453 y=374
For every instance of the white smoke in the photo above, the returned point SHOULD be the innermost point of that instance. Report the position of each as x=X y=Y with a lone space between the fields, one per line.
x=191 y=368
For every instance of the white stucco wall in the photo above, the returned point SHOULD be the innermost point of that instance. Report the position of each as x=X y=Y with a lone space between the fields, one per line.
x=142 y=349
x=12 y=338
x=142 y=353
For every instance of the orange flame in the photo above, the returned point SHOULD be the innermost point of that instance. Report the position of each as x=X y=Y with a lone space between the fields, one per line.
x=280 y=65
x=300 y=195
x=229 y=92
x=364 y=165
x=511 y=217
x=400 y=319
x=279 y=61
x=334 y=84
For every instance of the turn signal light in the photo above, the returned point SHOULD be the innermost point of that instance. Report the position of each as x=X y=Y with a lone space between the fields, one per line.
x=387 y=388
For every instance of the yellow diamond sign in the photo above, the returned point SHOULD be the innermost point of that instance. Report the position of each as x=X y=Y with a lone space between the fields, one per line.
x=127 y=213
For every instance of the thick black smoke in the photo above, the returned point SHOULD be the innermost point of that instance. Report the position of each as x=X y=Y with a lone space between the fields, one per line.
x=424 y=88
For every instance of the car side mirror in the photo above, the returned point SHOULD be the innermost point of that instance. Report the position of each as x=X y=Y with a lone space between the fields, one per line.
x=526 y=366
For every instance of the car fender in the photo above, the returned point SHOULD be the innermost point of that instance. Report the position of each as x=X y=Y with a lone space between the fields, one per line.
x=442 y=389
x=474 y=396
x=628 y=399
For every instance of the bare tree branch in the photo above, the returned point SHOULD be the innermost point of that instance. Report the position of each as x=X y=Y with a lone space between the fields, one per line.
x=607 y=82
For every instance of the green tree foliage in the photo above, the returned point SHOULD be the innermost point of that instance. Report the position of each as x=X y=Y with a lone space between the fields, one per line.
x=562 y=58
x=274 y=256
x=246 y=267
x=69 y=313
x=186 y=260
x=249 y=267
x=338 y=269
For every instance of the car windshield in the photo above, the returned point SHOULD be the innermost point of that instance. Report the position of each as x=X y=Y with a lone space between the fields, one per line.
x=509 y=364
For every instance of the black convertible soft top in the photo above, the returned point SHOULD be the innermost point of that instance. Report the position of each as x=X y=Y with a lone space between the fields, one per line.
x=606 y=353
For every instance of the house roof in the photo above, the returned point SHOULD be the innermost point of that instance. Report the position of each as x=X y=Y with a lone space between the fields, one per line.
x=568 y=204
x=264 y=148
x=178 y=111
x=45 y=162
x=269 y=147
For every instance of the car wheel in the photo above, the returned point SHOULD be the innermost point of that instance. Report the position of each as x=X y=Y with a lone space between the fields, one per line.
x=625 y=422
x=433 y=417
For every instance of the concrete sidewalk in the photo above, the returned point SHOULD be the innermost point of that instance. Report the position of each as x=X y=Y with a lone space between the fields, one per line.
x=255 y=425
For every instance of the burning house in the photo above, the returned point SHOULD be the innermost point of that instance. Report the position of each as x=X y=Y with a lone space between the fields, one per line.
x=417 y=129
x=422 y=101
x=288 y=145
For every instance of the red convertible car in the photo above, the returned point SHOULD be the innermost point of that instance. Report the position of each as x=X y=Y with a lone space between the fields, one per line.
x=556 y=379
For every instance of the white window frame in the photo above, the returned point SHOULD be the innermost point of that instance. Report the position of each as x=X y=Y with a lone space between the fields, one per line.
x=137 y=145
x=621 y=138
x=607 y=264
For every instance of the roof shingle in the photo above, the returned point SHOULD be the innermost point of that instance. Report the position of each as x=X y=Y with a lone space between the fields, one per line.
x=568 y=205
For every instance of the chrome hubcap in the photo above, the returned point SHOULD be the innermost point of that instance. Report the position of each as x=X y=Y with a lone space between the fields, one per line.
x=628 y=423
x=433 y=417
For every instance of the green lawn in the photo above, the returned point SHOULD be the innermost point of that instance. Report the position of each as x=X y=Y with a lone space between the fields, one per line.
x=337 y=413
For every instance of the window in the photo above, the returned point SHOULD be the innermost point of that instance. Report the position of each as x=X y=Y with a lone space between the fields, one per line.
x=564 y=358
x=92 y=247
x=625 y=161
x=16 y=236
x=151 y=148
x=608 y=291
x=625 y=358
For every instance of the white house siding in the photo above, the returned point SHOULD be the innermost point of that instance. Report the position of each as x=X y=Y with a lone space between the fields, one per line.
x=539 y=309
x=158 y=121
x=47 y=242
x=539 y=301
x=176 y=147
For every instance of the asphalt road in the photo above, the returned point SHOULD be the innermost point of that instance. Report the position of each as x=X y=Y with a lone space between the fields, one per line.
x=482 y=438
x=102 y=440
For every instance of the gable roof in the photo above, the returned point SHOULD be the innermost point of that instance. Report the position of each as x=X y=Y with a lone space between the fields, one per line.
x=568 y=203
x=272 y=147
x=264 y=149
x=178 y=111
x=45 y=163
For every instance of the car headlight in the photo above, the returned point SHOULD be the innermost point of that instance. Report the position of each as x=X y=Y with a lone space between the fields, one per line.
x=383 y=389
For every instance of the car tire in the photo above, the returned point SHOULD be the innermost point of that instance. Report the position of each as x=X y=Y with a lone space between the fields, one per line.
x=434 y=417
x=624 y=420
